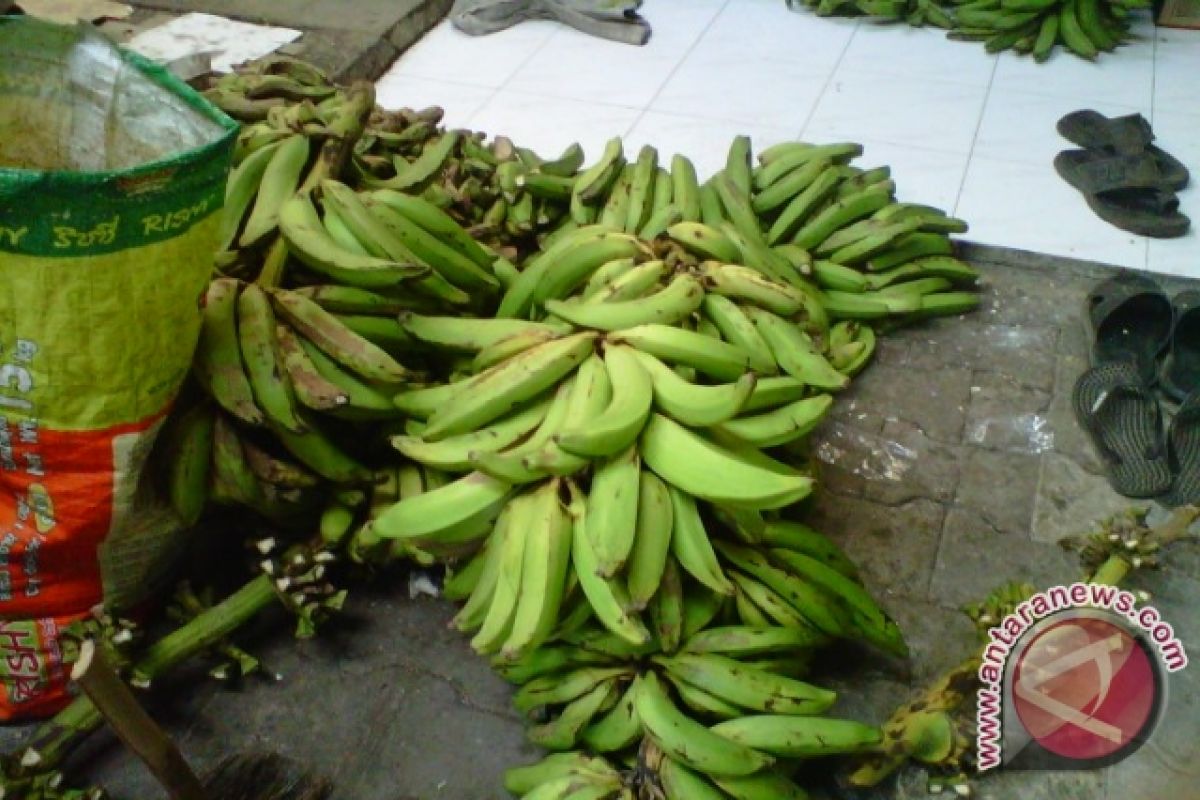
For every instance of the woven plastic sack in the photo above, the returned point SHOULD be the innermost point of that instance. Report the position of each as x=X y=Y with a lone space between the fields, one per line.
x=112 y=175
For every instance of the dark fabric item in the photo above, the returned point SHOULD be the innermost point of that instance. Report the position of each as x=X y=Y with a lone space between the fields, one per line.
x=1128 y=135
x=1125 y=191
x=617 y=20
x=1129 y=319
x=1180 y=374
x=1125 y=424
x=1183 y=450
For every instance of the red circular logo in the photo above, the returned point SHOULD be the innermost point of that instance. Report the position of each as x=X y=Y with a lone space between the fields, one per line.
x=1085 y=688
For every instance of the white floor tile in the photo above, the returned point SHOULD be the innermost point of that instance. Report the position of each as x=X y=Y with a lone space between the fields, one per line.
x=1125 y=77
x=550 y=124
x=903 y=53
x=1177 y=71
x=447 y=54
x=1019 y=126
x=703 y=141
x=767 y=31
x=1029 y=207
x=1179 y=134
x=459 y=100
x=777 y=92
x=577 y=66
x=934 y=115
x=925 y=176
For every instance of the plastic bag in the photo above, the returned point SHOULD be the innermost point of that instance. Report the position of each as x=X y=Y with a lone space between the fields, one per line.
x=112 y=174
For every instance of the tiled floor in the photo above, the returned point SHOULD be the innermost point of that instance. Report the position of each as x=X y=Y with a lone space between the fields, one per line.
x=962 y=129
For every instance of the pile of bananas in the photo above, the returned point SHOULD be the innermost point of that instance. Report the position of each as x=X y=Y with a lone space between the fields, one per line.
x=1084 y=27
x=585 y=389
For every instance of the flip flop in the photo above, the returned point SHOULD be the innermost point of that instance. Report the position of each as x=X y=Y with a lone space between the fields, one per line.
x=1128 y=135
x=1125 y=424
x=1129 y=319
x=1126 y=191
x=1183 y=451
x=1180 y=374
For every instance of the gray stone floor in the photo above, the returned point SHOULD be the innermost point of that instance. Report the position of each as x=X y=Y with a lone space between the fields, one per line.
x=953 y=464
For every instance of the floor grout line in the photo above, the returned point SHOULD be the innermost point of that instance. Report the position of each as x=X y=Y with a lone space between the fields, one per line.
x=987 y=96
x=670 y=75
x=496 y=90
x=829 y=80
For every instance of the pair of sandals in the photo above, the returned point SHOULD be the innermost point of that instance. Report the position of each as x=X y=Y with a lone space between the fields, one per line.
x=1128 y=181
x=1142 y=340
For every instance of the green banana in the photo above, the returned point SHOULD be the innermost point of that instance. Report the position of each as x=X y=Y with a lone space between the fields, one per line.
x=734 y=682
x=187 y=443
x=652 y=540
x=219 y=365
x=690 y=544
x=466 y=334
x=736 y=328
x=309 y=242
x=686 y=740
x=621 y=422
x=492 y=393
x=741 y=641
x=717 y=359
x=612 y=507
x=800 y=737
x=280 y=180
x=803 y=539
x=865 y=614
x=705 y=241
x=743 y=283
x=775 y=169
x=782 y=425
x=454 y=454
x=617 y=730
x=666 y=609
x=334 y=338
x=609 y=599
x=256 y=334
x=669 y=306
x=240 y=191
x=641 y=186
x=544 y=574
x=692 y=404
x=685 y=189
x=795 y=352
x=437 y=223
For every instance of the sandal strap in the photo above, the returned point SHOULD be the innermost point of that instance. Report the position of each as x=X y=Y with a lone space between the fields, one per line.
x=1120 y=289
x=1092 y=420
x=1120 y=172
x=1129 y=134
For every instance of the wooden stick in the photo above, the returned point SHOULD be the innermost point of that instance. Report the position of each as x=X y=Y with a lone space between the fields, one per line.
x=133 y=725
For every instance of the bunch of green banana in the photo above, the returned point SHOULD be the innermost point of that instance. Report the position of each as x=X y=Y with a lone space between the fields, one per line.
x=283 y=373
x=689 y=726
x=1084 y=27
x=587 y=389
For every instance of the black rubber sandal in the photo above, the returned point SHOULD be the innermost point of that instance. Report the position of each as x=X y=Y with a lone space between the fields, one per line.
x=1125 y=191
x=1183 y=451
x=1128 y=135
x=1180 y=375
x=1129 y=318
x=1125 y=424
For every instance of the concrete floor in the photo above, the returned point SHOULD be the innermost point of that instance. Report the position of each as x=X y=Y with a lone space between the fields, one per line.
x=954 y=464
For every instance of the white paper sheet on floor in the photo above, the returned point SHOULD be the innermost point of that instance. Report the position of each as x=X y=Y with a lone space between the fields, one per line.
x=229 y=42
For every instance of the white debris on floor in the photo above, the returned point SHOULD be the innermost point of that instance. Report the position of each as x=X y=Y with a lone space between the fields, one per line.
x=228 y=42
